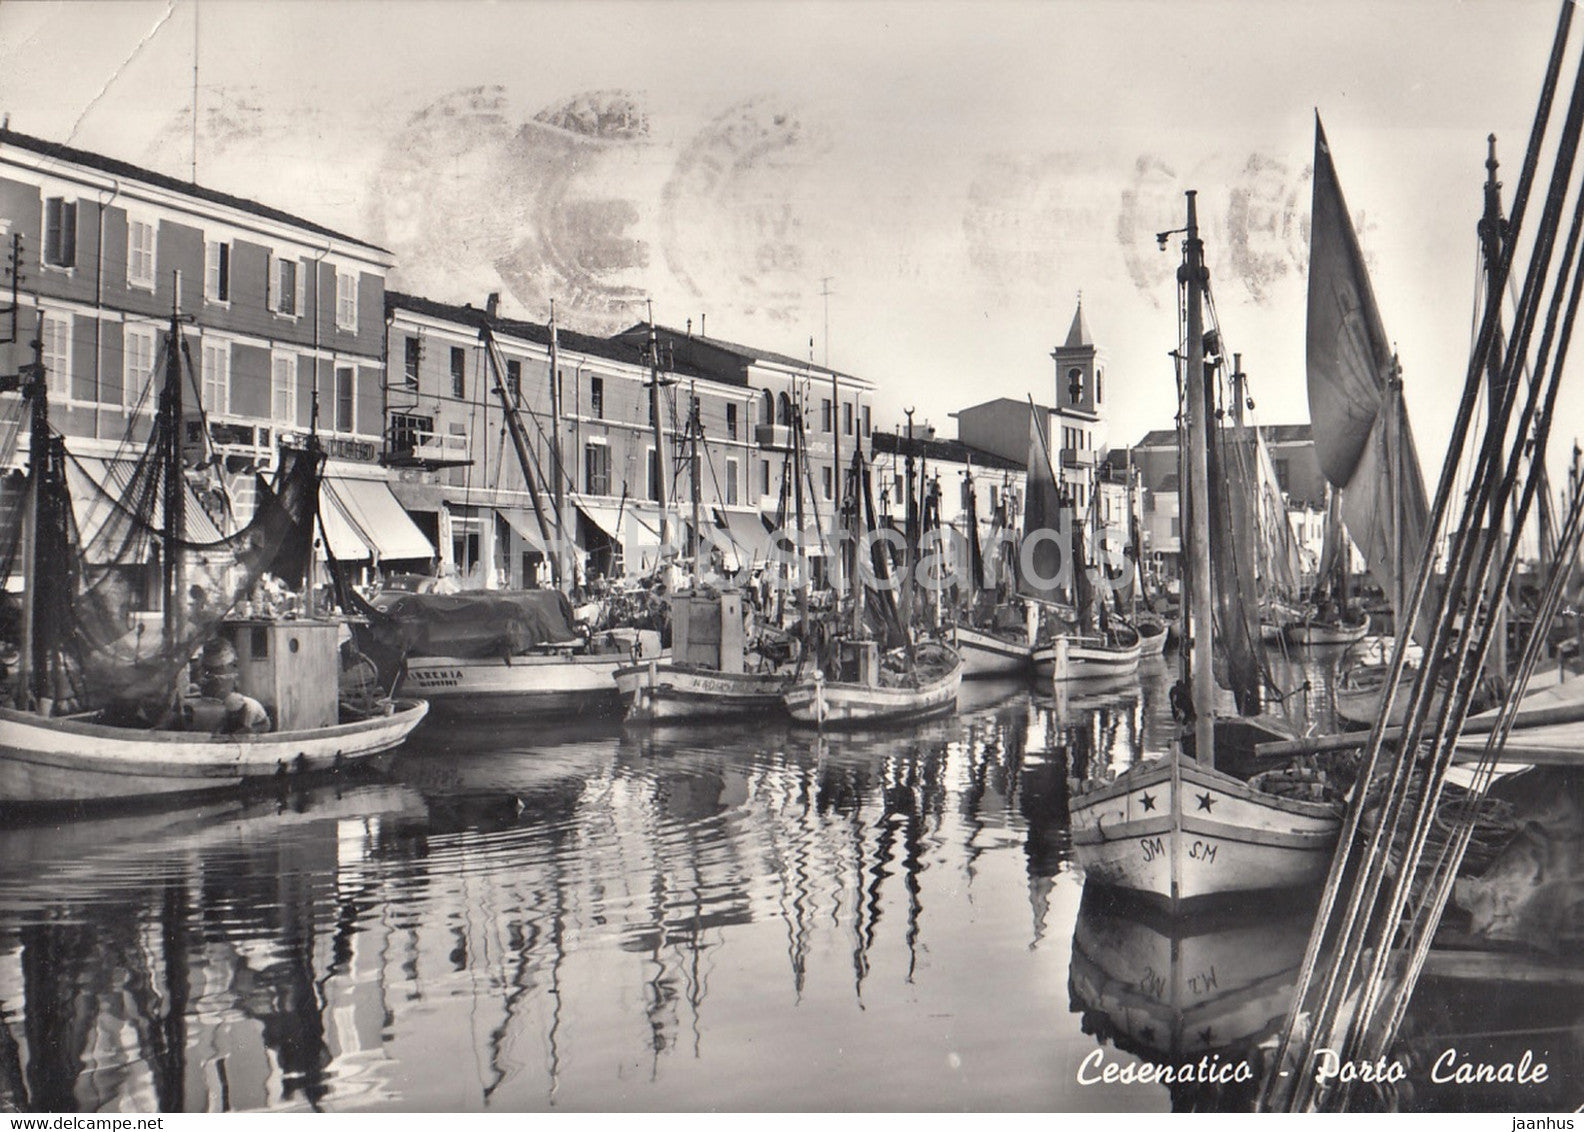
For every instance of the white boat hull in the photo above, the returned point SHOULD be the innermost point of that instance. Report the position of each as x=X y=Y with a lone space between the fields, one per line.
x=832 y=703
x=65 y=760
x=553 y=684
x=1325 y=632
x=659 y=690
x=1152 y=639
x=1198 y=834
x=1082 y=658
x=987 y=656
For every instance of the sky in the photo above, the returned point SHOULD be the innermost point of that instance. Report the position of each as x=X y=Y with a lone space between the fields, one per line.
x=915 y=192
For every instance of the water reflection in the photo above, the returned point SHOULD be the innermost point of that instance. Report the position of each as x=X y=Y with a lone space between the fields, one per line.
x=747 y=916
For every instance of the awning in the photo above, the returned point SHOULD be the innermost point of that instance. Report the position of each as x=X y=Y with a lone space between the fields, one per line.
x=337 y=532
x=605 y=519
x=810 y=542
x=100 y=490
x=526 y=524
x=745 y=531
x=379 y=517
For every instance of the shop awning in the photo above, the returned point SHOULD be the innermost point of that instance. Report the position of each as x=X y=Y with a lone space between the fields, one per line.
x=379 y=518
x=526 y=524
x=100 y=490
x=605 y=518
x=746 y=533
x=337 y=532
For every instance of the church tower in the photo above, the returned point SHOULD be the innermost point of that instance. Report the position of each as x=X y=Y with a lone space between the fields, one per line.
x=1078 y=432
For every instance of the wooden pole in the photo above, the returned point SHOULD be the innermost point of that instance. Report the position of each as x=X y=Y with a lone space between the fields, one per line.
x=1193 y=278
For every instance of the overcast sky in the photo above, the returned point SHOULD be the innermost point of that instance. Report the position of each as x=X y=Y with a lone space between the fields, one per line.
x=958 y=172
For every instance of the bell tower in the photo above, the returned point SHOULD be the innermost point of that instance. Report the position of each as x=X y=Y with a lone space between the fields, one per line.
x=1080 y=370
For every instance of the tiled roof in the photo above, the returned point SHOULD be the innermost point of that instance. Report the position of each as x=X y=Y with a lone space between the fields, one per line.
x=896 y=444
x=747 y=353
x=117 y=168
x=1272 y=434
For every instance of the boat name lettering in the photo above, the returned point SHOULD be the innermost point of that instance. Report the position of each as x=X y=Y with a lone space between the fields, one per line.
x=1153 y=847
x=1204 y=982
x=1203 y=851
x=436 y=677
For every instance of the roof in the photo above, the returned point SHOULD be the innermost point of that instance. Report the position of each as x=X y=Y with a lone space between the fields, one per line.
x=953 y=451
x=1020 y=402
x=1271 y=434
x=612 y=349
x=1078 y=335
x=746 y=353
x=117 y=168
x=1158 y=438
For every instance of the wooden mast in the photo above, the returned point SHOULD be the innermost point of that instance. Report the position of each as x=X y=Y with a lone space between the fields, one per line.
x=30 y=658
x=558 y=493
x=170 y=414
x=1193 y=277
x=1491 y=229
x=657 y=420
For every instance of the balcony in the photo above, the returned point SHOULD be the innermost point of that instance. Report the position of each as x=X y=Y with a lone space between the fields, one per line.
x=775 y=437
x=431 y=450
x=1078 y=457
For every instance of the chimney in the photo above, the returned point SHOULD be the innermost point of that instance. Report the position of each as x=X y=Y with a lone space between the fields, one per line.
x=702 y=332
x=690 y=328
x=492 y=306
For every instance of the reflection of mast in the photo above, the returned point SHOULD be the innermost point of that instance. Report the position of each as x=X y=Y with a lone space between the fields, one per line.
x=170 y=1067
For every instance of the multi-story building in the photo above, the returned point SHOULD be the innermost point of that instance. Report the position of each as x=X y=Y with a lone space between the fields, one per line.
x=281 y=318
x=457 y=470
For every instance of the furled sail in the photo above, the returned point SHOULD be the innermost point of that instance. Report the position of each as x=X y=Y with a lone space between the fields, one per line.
x=1048 y=554
x=1361 y=431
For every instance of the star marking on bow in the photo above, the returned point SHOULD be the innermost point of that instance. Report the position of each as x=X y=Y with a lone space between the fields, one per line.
x=1206 y=1035
x=1206 y=803
x=1147 y=801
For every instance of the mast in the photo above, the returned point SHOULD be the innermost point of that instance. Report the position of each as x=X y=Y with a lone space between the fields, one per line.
x=1192 y=276
x=170 y=415
x=658 y=422
x=31 y=659
x=911 y=528
x=514 y=427
x=855 y=578
x=693 y=473
x=558 y=493
x=1492 y=229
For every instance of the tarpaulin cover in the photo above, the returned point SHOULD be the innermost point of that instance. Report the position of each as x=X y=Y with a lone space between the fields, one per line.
x=476 y=625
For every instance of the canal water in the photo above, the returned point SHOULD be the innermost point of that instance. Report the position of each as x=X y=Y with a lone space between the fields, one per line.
x=589 y=917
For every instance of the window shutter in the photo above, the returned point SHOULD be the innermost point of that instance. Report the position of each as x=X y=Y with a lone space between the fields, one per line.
x=68 y=233
x=52 y=229
x=269 y=280
x=298 y=275
x=225 y=271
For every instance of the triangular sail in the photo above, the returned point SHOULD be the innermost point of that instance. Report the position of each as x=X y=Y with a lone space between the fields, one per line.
x=1042 y=520
x=1361 y=431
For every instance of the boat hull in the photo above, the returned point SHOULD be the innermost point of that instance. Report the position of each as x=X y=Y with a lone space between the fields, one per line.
x=536 y=686
x=1152 y=639
x=655 y=691
x=986 y=656
x=64 y=760
x=1326 y=632
x=1197 y=834
x=1079 y=658
x=829 y=703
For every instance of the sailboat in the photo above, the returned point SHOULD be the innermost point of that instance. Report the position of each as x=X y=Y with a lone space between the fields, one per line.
x=102 y=705
x=716 y=668
x=863 y=675
x=1182 y=828
x=1331 y=619
x=993 y=638
x=1094 y=647
x=516 y=653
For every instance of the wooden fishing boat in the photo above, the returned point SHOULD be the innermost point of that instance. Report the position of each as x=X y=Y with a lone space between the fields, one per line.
x=1182 y=828
x=879 y=688
x=78 y=760
x=1178 y=832
x=1351 y=628
x=104 y=714
x=1152 y=635
x=1115 y=653
x=544 y=684
x=709 y=674
x=988 y=653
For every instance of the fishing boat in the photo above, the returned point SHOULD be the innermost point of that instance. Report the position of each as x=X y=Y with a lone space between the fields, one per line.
x=1344 y=629
x=877 y=669
x=1332 y=619
x=1098 y=657
x=993 y=638
x=992 y=653
x=104 y=708
x=1152 y=632
x=1205 y=820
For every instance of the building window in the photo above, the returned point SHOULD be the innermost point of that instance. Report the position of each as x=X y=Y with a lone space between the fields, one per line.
x=597 y=397
x=137 y=348
x=140 y=253
x=410 y=431
x=410 y=363
x=514 y=381
x=847 y=418
x=60 y=232
x=286 y=283
x=731 y=483
x=596 y=468
x=826 y=480
x=652 y=477
x=215 y=392
x=731 y=422
x=764 y=477
x=56 y=332
x=217 y=271
x=866 y=420
x=767 y=408
x=346 y=301
x=1099 y=386
x=458 y=372
x=283 y=389
x=1075 y=384
x=825 y=415
x=346 y=398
